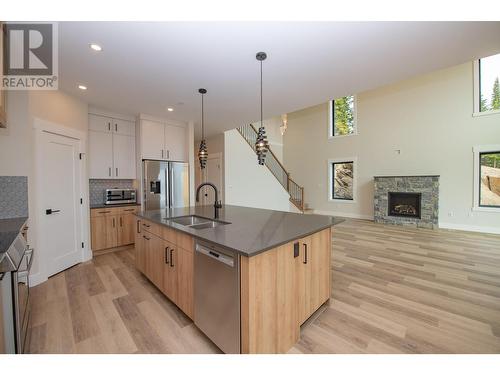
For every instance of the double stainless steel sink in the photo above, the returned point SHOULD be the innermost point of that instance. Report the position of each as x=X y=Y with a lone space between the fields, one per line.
x=197 y=222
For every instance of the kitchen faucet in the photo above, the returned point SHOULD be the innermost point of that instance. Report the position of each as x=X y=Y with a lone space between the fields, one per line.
x=217 y=203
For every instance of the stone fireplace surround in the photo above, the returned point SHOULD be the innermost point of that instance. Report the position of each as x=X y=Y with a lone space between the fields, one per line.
x=427 y=186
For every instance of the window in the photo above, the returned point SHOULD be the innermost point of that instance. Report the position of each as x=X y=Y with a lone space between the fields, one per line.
x=487 y=178
x=487 y=73
x=342 y=116
x=341 y=175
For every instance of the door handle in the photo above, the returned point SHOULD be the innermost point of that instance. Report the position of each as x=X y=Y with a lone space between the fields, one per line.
x=171 y=258
x=162 y=153
x=166 y=255
x=109 y=126
x=50 y=211
x=305 y=253
x=109 y=171
x=116 y=171
x=116 y=127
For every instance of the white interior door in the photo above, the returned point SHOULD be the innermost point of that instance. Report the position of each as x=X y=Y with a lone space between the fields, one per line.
x=60 y=191
x=213 y=174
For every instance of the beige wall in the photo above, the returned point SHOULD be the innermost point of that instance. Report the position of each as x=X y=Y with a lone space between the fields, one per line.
x=17 y=142
x=428 y=118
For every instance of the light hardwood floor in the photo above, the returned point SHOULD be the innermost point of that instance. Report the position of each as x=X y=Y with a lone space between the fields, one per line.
x=395 y=290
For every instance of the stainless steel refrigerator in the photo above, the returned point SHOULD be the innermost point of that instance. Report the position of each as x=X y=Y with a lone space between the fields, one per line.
x=166 y=184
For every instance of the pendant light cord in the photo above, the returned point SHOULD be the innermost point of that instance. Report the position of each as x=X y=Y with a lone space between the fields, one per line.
x=261 y=120
x=202 y=125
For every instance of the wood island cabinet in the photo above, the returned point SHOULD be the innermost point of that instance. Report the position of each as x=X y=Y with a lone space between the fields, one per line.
x=280 y=288
x=166 y=258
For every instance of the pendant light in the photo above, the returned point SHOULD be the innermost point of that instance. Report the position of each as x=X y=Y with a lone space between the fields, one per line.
x=261 y=144
x=202 y=153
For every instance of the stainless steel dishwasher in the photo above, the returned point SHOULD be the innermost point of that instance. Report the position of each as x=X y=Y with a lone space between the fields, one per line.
x=217 y=295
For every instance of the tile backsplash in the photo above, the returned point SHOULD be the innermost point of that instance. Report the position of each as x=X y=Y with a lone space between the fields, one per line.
x=98 y=187
x=13 y=196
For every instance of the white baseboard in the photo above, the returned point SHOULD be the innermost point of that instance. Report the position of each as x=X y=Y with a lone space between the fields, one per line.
x=343 y=214
x=470 y=228
x=37 y=278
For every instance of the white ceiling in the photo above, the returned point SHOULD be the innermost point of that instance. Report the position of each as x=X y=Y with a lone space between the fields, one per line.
x=146 y=67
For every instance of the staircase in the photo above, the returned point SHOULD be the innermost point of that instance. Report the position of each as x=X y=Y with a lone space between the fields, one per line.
x=249 y=133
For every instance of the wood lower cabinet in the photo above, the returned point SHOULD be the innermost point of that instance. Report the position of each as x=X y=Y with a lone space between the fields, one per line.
x=185 y=281
x=168 y=266
x=126 y=229
x=112 y=227
x=280 y=291
x=313 y=273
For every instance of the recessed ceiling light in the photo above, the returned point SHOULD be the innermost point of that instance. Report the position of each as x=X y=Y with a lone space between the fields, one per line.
x=95 y=47
x=82 y=87
x=170 y=109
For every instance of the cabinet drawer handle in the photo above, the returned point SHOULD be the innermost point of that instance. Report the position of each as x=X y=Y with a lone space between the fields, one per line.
x=171 y=258
x=116 y=127
x=138 y=226
x=114 y=222
x=121 y=222
x=116 y=172
x=146 y=238
x=146 y=225
x=305 y=253
x=166 y=255
x=109 y=126
x=130 y=209
x=104 y=212
x=162 y=154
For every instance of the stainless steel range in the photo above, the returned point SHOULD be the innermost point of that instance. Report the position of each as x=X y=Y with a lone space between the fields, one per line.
x=15 y=267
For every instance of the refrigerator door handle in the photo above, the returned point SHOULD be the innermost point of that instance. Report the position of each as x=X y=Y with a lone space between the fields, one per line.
x=172 y=184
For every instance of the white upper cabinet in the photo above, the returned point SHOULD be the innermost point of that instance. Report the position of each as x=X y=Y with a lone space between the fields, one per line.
x=100 y=155
x=153 y=140
x=100 y=123
x=111 y=148
x=162 y=141
x=124 y=156
x=124 y=127
x=175 y=143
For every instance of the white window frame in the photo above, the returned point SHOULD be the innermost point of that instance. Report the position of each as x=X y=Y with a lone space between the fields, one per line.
x=331 y=119
x=477 y=170
x=477 y=94
x=354 y=161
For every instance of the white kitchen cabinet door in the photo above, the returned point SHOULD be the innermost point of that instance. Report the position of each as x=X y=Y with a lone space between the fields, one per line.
x=100 y=155
x=124 y=127
x=153 y=140
x=175 y=143
x=123 y=156
x=100 y=123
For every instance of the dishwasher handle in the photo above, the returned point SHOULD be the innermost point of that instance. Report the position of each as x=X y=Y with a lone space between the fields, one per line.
x=215 y=255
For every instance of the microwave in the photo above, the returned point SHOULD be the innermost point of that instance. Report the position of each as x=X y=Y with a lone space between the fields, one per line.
x=120 y=196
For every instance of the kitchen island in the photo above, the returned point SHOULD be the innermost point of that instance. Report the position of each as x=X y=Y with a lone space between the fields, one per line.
x=282 y=260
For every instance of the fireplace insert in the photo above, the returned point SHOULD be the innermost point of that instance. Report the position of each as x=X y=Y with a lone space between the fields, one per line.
x=404 y=204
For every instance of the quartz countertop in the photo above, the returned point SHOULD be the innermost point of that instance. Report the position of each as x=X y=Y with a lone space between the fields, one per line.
x=9 y=229
x=102 y=205
x=251 y=230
